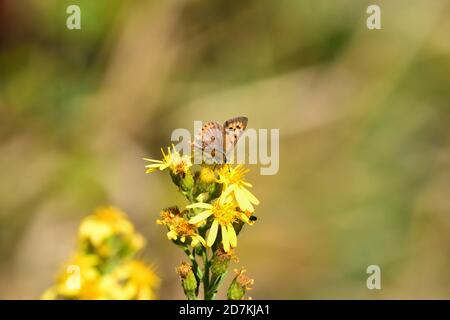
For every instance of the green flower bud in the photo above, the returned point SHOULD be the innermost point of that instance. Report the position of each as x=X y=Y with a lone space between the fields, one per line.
x=187 y=181
x=240 y=284
x=206 y=187
x=235 y=292
x=184 y=180
x=203 y=197
x=219 y=263
x=188 y=280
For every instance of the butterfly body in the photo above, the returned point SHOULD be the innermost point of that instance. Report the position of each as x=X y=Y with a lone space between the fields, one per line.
x=215 y=142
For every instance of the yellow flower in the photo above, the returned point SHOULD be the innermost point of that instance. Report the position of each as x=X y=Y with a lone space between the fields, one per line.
x=224 y=213
x=235 y=185
x=102 y=269
x=178 y=164
x=132 y=280
x=81 y=280
x=207 y=175
x=179 y=227
x=105 y=223
x=76 y=280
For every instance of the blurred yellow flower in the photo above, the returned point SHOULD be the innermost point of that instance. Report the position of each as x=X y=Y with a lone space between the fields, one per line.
x=80 y=279
x=178 y=164
x=132 y=280
x=76 y=280
x=108 y=223
x=224 y=214
x=102 y=269
x=235 y=185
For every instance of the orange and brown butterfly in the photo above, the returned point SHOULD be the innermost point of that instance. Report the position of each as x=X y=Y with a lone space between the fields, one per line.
x=216 y=142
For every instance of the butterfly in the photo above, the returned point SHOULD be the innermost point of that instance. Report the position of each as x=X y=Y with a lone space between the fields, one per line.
x=215 y=143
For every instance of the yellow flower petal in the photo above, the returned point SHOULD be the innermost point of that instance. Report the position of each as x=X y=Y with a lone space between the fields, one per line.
x=194 y=242
x=250 y=196
x=153 y=165
x=247 y=184
x=201 y=216
x=212 y=233
x=164 y=166
x=246 y=219
x=242 y=200
x=200 y=239
x=226 y=193
x=172 y=235
x=225 y=239
x=152 y=160
x=152 y=168
x=232 y=235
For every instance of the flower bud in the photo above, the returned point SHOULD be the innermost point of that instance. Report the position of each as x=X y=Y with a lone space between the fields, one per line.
x=207 y=175
x=188 y=280
x=207 y=187
x=184 y=180
x=219 y=263
x=187 y=181
x=240 y=284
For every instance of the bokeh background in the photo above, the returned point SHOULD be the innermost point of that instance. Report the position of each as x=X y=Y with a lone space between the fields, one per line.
x=364 y=124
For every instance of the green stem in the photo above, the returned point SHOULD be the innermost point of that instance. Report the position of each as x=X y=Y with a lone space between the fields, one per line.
x=206 y=275
x=216 y=281
x=189 y=254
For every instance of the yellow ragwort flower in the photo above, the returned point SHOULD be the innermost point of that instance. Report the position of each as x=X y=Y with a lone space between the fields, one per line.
x=235 y=185
x=178 y=164
x=77 y=279
x=106 y=222
x=224 y=213
x=132 y=280
x=80 y=279
x=179 y=227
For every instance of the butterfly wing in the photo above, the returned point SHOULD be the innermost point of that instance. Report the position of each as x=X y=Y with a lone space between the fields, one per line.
x=232 y=131
x=208 y=144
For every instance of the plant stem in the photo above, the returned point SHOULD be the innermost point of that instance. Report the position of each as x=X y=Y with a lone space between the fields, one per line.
x=206 y=275
x=216 y=281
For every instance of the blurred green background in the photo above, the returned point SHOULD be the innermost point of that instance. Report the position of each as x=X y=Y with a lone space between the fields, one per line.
x=364 y=125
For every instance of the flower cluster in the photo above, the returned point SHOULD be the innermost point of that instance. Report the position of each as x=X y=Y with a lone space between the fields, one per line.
x=103 y=266
x=207 y=229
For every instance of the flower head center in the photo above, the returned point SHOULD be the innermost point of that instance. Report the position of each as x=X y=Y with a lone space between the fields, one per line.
x=224 y=213
x=185 y=228
x=180 y=164
x=234 y=175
